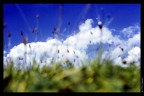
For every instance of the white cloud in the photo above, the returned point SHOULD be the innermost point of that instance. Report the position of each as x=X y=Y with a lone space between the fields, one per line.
x=75 y=46
x=129 y=31
x=44 y=52
x=135 y=40
x=115 y=53
x=129 y=48
x=86 y=26
x=87 y=33
x=133 y=55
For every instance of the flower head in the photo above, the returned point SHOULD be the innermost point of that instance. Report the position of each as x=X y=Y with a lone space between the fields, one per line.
x=69 y=22
x=21 y=33
x=9 y=34
x=24 y=40
x=100 y=24
x=4 y=25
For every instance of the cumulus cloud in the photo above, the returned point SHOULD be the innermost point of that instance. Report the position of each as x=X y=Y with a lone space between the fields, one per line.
x=44 y=53
x=74 y=47
x=130 y=46
x=86 y=34
x=135 y=40
x=133 y=55
x=129 y=31
x=121 y=49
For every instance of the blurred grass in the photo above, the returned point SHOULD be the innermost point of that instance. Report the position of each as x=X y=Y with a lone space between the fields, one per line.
x=92 y=77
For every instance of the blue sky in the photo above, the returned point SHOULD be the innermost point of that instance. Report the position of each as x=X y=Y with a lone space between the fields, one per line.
x=22 y=18
x=123 y=14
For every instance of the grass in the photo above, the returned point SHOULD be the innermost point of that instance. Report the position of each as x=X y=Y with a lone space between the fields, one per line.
x=92 y=77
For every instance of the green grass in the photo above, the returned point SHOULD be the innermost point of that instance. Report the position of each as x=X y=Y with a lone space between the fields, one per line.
x=92 y=77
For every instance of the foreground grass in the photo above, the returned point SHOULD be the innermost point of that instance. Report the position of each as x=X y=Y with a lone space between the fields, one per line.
x=92 y=77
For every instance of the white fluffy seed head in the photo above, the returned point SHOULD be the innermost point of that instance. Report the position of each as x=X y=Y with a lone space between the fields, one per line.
x=99 y=23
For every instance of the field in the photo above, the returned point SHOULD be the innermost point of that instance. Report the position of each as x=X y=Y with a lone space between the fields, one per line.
x=91 y=77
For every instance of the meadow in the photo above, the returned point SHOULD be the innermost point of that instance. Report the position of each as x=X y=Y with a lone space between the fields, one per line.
x=91 y=77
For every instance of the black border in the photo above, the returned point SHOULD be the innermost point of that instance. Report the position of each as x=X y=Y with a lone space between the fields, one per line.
x=73 y=1
x=1 y=36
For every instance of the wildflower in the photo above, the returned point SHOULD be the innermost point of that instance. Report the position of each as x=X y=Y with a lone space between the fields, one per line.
x=20 y=58
x=74 y=52
x=121 y=48
x=9 y=34
x=58 y=50
x=124 y=62
x=91 y=33
x=109 y=45
x=67 y=51
x=108 y=16
x=74 y=60
x=24 y=40
x=29 y=46
x=21 y=33
x=54 y=29
x=69 y=22
x=77 y=56
x=52 y=61
x=4 y=25
x=35 y=30
x=53 y=32
x=100 y=24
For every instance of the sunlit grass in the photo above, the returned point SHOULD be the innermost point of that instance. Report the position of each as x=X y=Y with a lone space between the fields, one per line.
x=92 y=77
